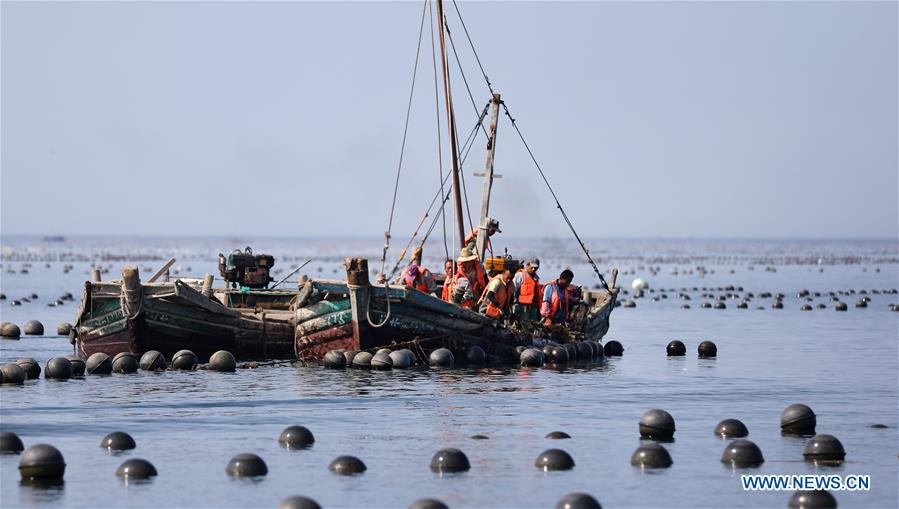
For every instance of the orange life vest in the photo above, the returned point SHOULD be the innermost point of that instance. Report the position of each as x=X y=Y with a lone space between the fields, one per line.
x=558 y=303
x=530 y=289
x=447 y=289
x=494 y=311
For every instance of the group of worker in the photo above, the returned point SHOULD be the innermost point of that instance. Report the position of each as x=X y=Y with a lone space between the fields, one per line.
x=499 y=294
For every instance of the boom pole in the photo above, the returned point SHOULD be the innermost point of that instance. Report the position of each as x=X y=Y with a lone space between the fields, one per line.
x=488 y=178
x=451 y=121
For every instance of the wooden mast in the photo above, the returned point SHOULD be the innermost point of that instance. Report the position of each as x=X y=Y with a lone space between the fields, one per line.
x=451 y=120
x=488 y=178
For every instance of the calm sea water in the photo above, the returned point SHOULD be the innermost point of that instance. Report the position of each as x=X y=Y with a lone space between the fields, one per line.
x=844 y=365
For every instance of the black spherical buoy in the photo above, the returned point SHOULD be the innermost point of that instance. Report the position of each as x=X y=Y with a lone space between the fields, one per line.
x=296 y=437
x=362 y=360
x=12 y=373
x=531 y=357
x=223 y=361
x=402 y=359
x=152 y=360
x=382 y=361
x=31 y=368
x=117 y=441
x=124 y=362
x=554 y=459
x=297 y=502
x=42 y=462
x=656 y=423
x=817 y=499
x=841 y=306
x=676 y=348
x=98 y=364
x=136 y=468
x=441 y=358
x=350 y=355
x=598 y=350
x=798 y=419
x=572 y=351
x=33 y=328
x=450 y=460
x=10 y=443
x=347 y=465
x=78 y=366
x=742 y=453
x=10 y=330
x=731 y=428
x=59 y=368
x=707 y=350
x=806 y=307
x=778 y=304
x=476 y=356
x=63 y=329
x=613 y=349
x=185 y=360
x=651 y=456
x=246 y=465
x=558 y=355
x=578 y=501
x=824 y=449
x=428 y=503
x=720 y=305
x=334 y=359
x=584 y=350
x=557 y=435
x=861 y=304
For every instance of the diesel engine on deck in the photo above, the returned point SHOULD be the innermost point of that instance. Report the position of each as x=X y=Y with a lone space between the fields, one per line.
x=244 y=269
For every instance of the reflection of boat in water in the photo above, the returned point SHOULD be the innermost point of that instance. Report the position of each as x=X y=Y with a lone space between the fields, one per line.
x=321 y=315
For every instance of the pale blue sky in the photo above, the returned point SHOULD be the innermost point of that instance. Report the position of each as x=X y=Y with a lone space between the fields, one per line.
x=749 y=119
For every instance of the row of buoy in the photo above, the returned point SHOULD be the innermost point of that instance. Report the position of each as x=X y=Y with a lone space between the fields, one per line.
x=64 y=368
x=705 y=350
x=10 y=330
x=45 y=463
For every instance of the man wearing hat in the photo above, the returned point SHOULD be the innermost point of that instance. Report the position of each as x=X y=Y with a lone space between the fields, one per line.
x=492 y=227
x=528 y=294
x=469 y=280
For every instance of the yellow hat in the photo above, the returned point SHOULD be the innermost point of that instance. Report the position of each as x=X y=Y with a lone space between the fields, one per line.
x=467 y=256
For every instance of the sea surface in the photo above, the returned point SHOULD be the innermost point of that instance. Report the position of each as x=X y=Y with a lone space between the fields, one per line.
x=189 y=424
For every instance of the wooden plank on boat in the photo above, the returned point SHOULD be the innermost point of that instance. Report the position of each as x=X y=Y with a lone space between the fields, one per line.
x=196 y=298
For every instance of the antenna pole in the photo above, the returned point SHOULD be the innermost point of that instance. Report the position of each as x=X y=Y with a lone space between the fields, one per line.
x=451 y=121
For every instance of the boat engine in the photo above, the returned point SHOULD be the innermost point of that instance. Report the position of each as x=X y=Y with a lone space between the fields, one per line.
x=243 y=268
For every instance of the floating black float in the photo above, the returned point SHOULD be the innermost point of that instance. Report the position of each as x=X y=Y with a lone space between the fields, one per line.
x=651 y=456
x=476 y=356
x=78 y=365
x=558 y=355
x=98 y=364
x=742 y=453
x=185 y=360
x=223 y=361
x=656 y=423
x=554 y=459
x=298 y=502
x=613 y=349
x=42 y=462
x=824 y=449
x=362 y=360
x=125 y=362
x=12 y=373
x=816 y=499
x=731 y=428
x=676 y=348
x=246 y=465
x=798 y=419
x=136 y=468
x=63 y=329
x=118 y=441
x=10 y=443
x=707 y=350
x=10 y=330
x=296 y=437
x=402 y=359
x=59 y=368
x=382 y=361
x=30 y=366
x=428 y=503
x=578 y=501
x=441 y=358
x=334 y=359
x=531 y=357
x=449 y=460
x=33 y=328
x=347 y=465
x=841 y=306
x=152 y=360
x=557 y=435
x=584 y=350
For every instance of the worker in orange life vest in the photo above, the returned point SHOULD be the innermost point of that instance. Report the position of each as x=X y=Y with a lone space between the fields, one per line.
x=469 y=280
x=498 y=295
x=448 y=267
x=528 y=294
x=492 y=228
x=416 y=276
x=554 y=306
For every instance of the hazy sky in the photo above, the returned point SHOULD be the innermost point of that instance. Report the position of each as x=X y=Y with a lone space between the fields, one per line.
x=749 y=119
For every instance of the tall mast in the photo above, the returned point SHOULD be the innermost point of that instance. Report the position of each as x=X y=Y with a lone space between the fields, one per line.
x=488 y=177
x=451 y=121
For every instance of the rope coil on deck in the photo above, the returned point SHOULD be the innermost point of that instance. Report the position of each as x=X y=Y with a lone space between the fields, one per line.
x=126 y=299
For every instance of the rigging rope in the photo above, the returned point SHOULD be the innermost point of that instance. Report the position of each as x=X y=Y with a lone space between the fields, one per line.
x=439 y=134
x=399 y=168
